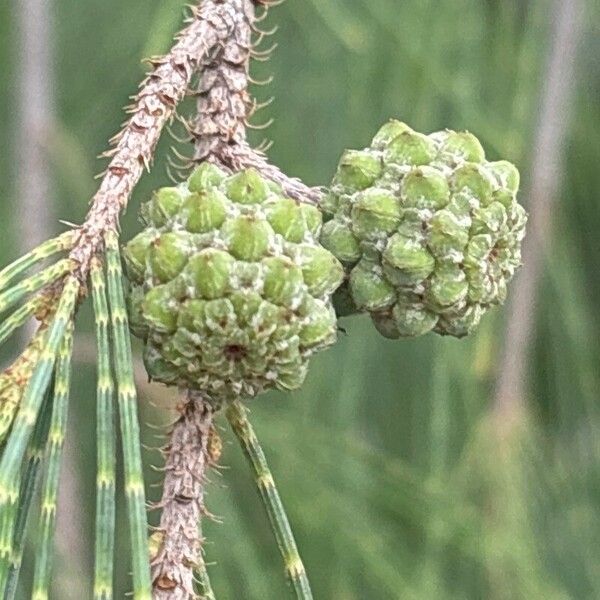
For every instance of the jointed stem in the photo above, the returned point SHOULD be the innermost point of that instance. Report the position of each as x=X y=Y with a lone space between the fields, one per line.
x=35 y=454
x=238 y=419
x=15 y=378
x=58 y=426
x=14 y=294
x=47 y=249
x=23 y=426
x=106 y=444
x=130 y=429
x=17 y=319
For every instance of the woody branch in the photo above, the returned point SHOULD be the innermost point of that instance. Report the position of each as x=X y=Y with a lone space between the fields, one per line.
x=214 y=27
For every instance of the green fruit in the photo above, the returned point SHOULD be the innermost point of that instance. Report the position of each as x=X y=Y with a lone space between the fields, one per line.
x=283 y=281
x=321 y=270
x=230 y=287
x=410 y=148
x=292 y=220
x=388 y=133
x=157 y=310
x=339 y=240
x=474 y=181
x=459 y=146
x=358 y=170
x=247 y=187
x=406 y=261
x=205 y=177
x=136 y=254
x=168 y=255
x=316 y=329
x=507 y=175
x=425 y=187
x=248 y=237
x=163 y=207
x=369 y=288
x=204 y=211
x=209 y=271
x=375 y=212
x=430 y=235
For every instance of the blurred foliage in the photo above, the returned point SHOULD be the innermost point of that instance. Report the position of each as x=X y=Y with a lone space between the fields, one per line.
x=399 y=481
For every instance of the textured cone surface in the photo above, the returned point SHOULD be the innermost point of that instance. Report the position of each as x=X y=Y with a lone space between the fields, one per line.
x=230 y=288
x=429 y=231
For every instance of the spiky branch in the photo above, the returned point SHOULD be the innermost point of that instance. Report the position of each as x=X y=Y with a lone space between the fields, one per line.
x=219 y=34
x=189 y=455
x=225 y=107
x=152 y=109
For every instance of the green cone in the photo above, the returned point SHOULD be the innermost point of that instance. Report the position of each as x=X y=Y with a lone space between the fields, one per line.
x=230 y=288
x=429 y=232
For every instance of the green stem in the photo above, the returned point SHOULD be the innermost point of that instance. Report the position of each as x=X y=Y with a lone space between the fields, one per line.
x=130 y=429
x=46 y=250
x=16 y=293
x=106 y=444
x=294 y=568
x=16 y=445
x=35 y=454
x=56 y=438
x=17 y=319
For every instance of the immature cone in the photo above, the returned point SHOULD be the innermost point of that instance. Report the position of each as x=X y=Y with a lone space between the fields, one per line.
x=230 y=288
x=429 y=231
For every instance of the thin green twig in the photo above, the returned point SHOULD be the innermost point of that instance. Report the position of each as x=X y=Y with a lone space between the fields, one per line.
x=130 y=429
x=16 y=445
x=58 y=426
x=17 y=319
x=14 y=379
x=294 y=568
x=43 y=251
x=29 y=482
x=106 y=444
x=12 y=295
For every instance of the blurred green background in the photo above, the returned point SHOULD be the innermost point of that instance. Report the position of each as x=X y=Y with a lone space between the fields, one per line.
x=403 y=475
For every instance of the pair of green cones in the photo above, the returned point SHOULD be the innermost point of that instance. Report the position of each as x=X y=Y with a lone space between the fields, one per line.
x=234 y=286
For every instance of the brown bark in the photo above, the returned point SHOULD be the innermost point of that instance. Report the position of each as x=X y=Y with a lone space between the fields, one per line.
x=225 y=107
x=152 y=109
x=217 y=41
x=190 y=453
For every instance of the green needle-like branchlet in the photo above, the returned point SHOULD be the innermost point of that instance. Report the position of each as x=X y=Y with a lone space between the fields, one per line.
x=17 y=319
x=14 y=294
x=25 y=420
x=35 y=454
x=238 y=419
x=130 y=430
x=106 y=444
x=47 y=249
x=56 y=437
